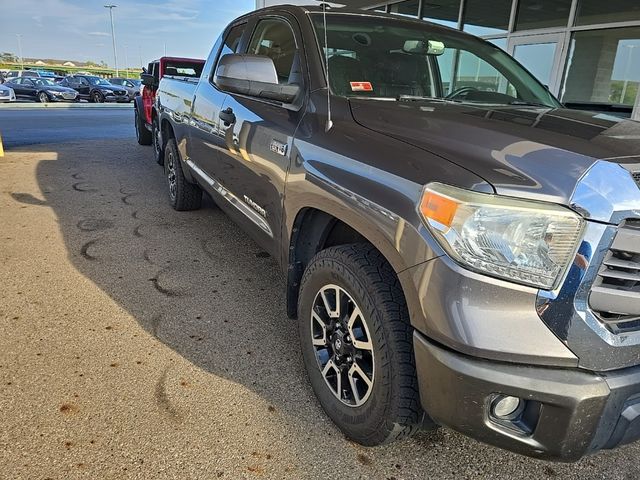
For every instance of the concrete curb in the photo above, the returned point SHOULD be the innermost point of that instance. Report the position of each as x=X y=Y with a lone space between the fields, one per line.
x=20 y=106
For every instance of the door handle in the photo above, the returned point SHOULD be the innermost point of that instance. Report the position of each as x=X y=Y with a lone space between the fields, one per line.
x=227 y=116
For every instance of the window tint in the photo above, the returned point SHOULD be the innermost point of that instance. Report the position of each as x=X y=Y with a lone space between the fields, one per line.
x=274 y=38
x=183 y=69
x=232 y=42
x=487 y=18
x=408 y=7
x=390 y=60
x=444 y=12
x=542 y=14
x=116 y=81
x=597 y=11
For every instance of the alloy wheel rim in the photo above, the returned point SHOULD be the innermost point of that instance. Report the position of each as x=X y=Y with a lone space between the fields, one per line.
x=43 y=97
x=343 y=345
x=171 y=175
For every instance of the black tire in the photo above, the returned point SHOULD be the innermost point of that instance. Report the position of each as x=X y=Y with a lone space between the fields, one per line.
x=182 y=194
x=392 y=409
x=156 y=142
x=43 y=97
x=142 y=134
x=97 y=97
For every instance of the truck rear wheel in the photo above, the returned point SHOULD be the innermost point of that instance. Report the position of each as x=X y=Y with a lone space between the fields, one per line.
x=142 y=134
x=182 y=194
x=357 y=344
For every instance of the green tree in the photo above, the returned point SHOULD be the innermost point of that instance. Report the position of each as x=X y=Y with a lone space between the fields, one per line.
x=8 y=57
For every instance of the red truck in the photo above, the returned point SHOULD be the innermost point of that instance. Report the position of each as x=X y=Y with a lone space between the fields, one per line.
x=157 y=69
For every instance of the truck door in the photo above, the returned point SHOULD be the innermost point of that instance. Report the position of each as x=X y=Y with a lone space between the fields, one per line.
x=258 y=136
x=206 y=139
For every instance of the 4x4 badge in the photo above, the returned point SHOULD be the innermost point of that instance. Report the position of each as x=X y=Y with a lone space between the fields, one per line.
x=279 y=148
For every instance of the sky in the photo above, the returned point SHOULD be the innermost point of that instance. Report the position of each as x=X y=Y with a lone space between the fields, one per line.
x=80 y=29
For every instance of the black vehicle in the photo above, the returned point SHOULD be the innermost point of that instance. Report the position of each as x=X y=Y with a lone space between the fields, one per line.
x=460 y=250
x=41 y=89
x=95 y=89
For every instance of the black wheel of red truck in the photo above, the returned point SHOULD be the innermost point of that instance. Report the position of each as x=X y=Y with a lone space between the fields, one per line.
x=357 y=344
x=142 y=134
x=156 y=138
x=182 y=194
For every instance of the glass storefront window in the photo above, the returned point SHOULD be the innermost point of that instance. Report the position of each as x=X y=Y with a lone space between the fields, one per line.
x=484 y=17
x=443 y=12
x=500 y=42
x=534 y=14
x=408 y=7
x=604 y=67
x=591 y=12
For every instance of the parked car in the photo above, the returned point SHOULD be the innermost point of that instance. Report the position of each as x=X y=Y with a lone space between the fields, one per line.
x=7 y=94
x=175 y=66
x=41 y=89
x=21 y=73
x=465 y=256
x=132 y=86
x=95 y=89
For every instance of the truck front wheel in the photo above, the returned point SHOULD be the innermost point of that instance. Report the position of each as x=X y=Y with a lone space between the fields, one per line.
x=182 y=194
x=357 y=344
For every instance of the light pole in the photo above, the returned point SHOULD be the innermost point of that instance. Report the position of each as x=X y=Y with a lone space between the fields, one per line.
x=113 y=35
x=126 y=61
x=19 y=36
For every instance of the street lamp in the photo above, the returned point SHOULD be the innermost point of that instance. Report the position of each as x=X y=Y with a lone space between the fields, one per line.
x=113 y=35
x=126 y=60
x=19 y=36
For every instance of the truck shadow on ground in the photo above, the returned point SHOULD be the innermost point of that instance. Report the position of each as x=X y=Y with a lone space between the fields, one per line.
x=203 y=288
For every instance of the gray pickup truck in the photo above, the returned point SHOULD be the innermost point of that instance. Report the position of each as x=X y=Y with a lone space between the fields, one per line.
x=460 y=250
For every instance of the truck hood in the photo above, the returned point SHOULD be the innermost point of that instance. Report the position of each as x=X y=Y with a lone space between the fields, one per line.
x=529 y=152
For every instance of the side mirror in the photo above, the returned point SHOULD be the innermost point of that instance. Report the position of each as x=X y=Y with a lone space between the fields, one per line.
x=253 y=75
x=147 y=80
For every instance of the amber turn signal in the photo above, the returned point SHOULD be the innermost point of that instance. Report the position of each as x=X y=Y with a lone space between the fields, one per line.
x=438 y=208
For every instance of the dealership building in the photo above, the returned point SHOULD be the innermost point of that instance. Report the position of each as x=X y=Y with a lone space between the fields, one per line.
x=586 y=51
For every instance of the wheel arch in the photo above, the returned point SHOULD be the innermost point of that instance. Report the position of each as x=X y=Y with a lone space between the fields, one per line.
x=315 y=229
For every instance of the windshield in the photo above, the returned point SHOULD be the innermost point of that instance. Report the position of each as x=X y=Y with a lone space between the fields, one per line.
x=42 y=81
x=97 y=81
x=137 y=83
x=376 y=57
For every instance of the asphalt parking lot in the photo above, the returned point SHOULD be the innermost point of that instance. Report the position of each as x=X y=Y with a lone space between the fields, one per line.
x=139 y=342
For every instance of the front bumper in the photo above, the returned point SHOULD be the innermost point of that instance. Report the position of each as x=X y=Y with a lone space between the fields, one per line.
x=567 y=413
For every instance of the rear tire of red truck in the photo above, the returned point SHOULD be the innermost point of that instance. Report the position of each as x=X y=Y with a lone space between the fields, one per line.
x=142 y=134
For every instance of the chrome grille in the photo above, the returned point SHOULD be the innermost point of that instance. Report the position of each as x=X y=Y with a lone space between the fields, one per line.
x=615 y=295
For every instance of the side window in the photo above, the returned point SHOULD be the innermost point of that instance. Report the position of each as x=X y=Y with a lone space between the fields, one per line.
x=274 y=38
x=462 y=69
x=84 y=82
x=116 y=81
x=18 y=81
x=232 y=42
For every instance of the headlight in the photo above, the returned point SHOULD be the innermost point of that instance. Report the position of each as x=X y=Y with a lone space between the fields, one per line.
x=108 y=92
x=54 y=92
x=527 y=242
